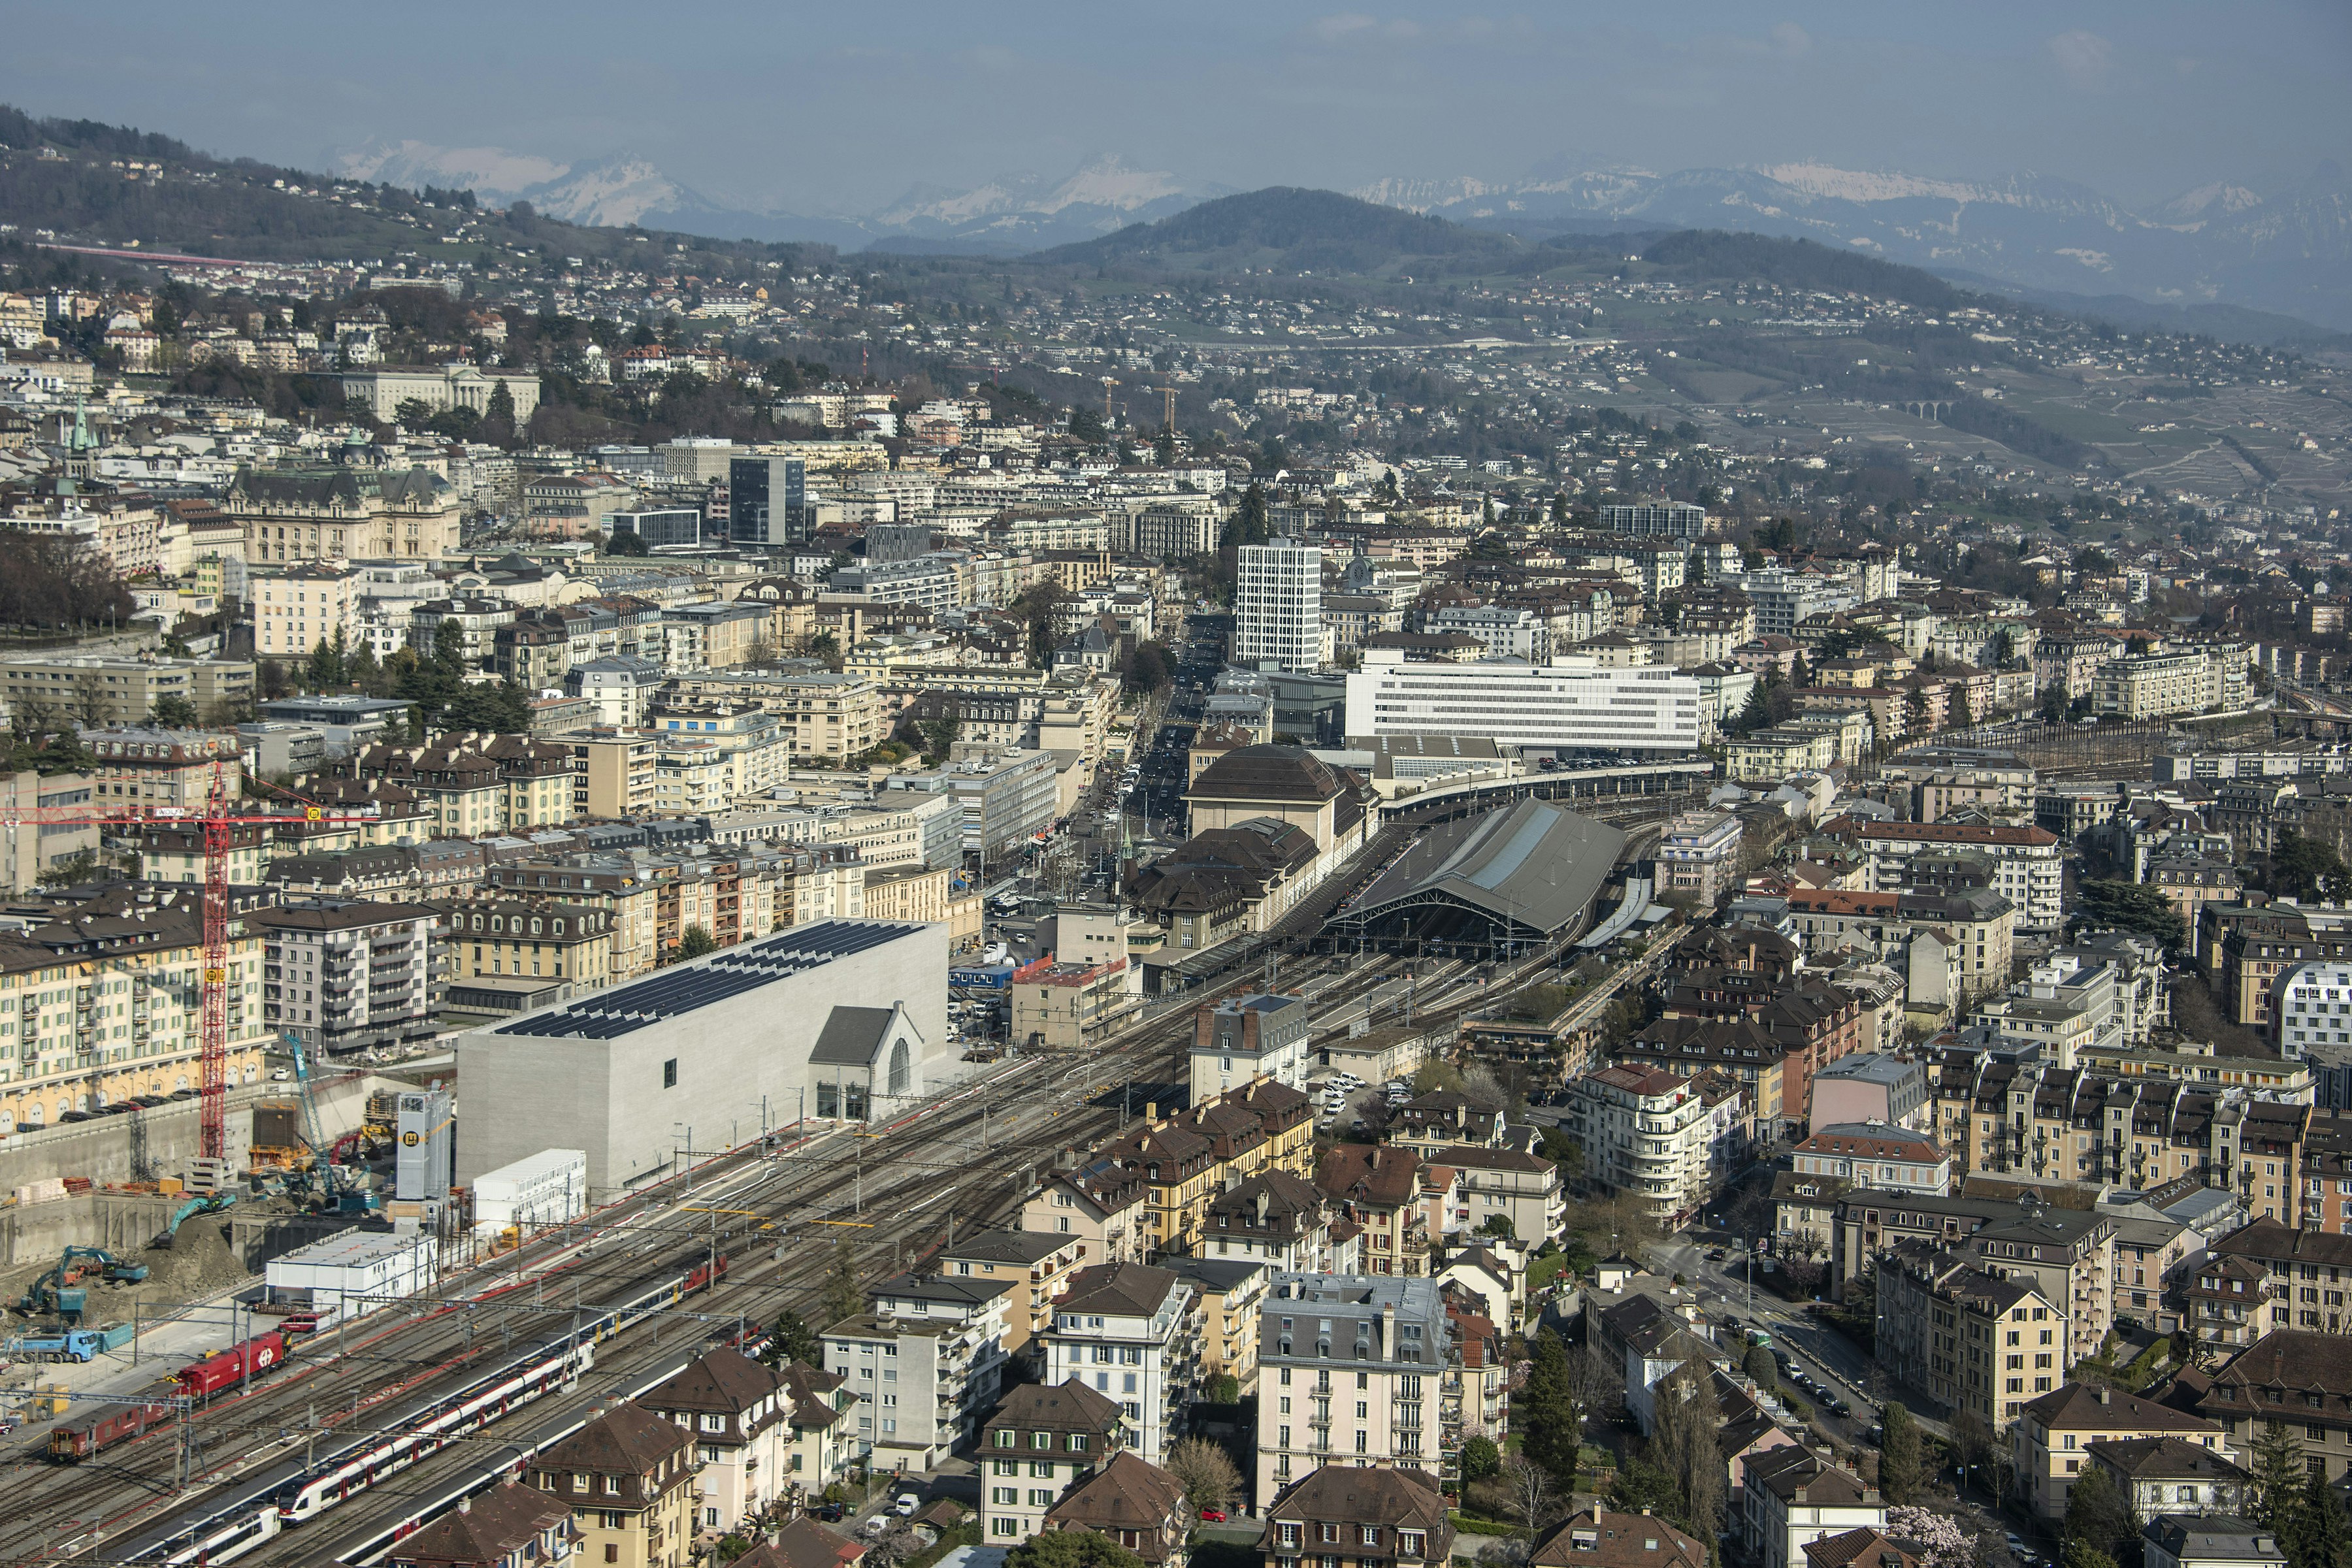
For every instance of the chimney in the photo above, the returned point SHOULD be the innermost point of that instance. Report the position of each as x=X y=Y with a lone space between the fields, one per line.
x=2106 y=1394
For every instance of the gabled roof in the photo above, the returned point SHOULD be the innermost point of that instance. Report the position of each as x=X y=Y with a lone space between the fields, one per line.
x=1606 y=1538
x=2079 y=1407
x=484 y=1530
x=804 y=1543
x=1069 y=1406
x=626 y=1439
x=1127 y=1493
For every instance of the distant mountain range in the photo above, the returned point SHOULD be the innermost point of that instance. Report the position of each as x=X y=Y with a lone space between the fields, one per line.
x=1011 y=215
x=2289 y=252
x=2220 y=245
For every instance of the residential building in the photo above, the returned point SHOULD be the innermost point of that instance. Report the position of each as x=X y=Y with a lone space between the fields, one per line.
x=1378 y=1189
x=1875 y=1156
x=1522 y=1191
x=569 y=942
x=1039 y=1265
x=141 y=767
x=615 y=772
x=1277 y=1218
x=1038 y=1444
x=85 y=688
x=1659 y=519
x=1233 y=1041
x=822 y=1443
x=1103 y=1205
x=1599 y=1538
x=341 y=976
x=2209 y=1541
x=510 y=1526
x=1380 y=1518
x=1063 y=1006
x=1132 y=1332
x=2051 y=1440
x=926 y=1362
x=304 y=607
x=2172 y=1475
x=1968 y=1338
x=1793 y=1497
x=1698 y=853
x=343 y=513
x=2299 y=1379
x=1868 y=1086
x=1349 y=1372
x=740 y=1415
x=1645 y=1133
x=2028 y=861
x=1134 y=1504
x=628 y=1477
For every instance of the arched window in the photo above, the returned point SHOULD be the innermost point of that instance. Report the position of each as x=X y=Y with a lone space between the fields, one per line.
x=901 y=1070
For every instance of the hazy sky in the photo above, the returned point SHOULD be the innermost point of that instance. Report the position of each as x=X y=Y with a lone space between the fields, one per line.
x=842 y=107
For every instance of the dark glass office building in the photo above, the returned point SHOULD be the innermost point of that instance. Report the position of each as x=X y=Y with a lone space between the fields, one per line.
x=767 y=501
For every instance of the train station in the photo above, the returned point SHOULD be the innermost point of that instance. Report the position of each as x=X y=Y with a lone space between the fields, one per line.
x=1504 y=881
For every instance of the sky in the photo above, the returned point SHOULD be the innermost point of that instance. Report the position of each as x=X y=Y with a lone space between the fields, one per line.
x=842 y=107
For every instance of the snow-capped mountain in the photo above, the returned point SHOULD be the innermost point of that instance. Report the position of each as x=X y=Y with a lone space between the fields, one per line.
x=492 y=172
x=1029 y=212
x=2288 y=252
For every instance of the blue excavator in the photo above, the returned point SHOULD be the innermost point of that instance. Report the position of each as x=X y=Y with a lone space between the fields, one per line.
x=60 y=1292
x=188 y=1211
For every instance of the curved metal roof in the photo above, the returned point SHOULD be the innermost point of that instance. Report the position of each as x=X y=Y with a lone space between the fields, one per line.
x=1535 y=864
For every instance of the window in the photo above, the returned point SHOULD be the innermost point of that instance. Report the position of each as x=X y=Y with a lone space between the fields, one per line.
x=669 y=1073
x=1006 y=1440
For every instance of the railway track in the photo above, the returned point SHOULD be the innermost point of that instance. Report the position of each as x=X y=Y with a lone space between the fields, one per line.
x=965 y=1159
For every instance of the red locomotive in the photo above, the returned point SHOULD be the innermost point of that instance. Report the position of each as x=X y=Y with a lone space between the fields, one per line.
x=215 y=1372
x=82 y=1435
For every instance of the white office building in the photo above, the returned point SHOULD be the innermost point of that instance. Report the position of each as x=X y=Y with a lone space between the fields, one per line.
x=1673 y=519
x=1278 y=607
x=1568 y=704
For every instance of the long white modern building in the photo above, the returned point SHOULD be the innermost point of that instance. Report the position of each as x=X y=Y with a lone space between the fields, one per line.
x=839 y=1019
x=1568 y=704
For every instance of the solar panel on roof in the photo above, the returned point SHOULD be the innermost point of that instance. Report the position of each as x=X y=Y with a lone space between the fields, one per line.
x=746 y=968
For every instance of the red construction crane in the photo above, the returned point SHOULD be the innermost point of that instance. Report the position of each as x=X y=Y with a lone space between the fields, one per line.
x=217 y=820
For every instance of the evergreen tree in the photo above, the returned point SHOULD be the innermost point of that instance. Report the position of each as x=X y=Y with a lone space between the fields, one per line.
x=1545 y=1411
x=792 y=1340
x=2083 y=1554
x=2098 y=1514
x=1684 y=1444
x=2279 y=1473
x=1898 y=1455
x=498 y=419
x=2322 y=1536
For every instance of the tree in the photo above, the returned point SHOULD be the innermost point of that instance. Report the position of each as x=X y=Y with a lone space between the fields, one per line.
x=72 y=871
x=2129 y=906
x=1248 y=525
x=939 y=735
x=1898 y=1455
x=1534 y=1496
x=1683 y=1443
x=2098 y=1514
x=1940 y=1542
x=174 y=712
x=1760 y=1368
x=499 y=418
x=2083 y=1554
x=1551 y=1428
x=2322 y=1536
x=2278 y=1474
x=1499 y=1226
x=625 y=543
x=1755 y=713
x=842 y=1296
x=412 y=413
x=1071 y=1549
x=2054 y=705
x=696 y=942
x=1206 y=1472
x=1481 y=1460
x=792 y=1340
x=1223 y=1389
x=1642 y=1487
x=2305 y=868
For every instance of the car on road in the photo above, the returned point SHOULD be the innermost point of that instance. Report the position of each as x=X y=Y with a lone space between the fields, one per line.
x=2015 y=1541
x=1213 y=1515
x=1840 y=1405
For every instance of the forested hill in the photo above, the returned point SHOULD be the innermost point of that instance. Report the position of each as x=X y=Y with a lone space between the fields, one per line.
x=71 y=180
x=1296 y=230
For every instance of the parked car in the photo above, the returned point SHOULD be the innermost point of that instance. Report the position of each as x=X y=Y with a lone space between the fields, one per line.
x=906 y=1504
x=877 y=1524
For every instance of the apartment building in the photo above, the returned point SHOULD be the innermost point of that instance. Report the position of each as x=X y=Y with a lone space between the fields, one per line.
x=1103 y=1205
x=103 y=1003
x=1523 y=1191
x=1878 y=1155
x=344 y=513
x=303 y=607
x=1793 y=1497
x=2049 y=1441
x=628 y=1477
x=926 y=1361
x=613 y=772
x=1571 y=704
x=55 y=689
x=1233 y=1041
x=143 y=766
x=473 y=786
x=510 y=1526
x=1041 y=1442
x=1351 y=1368
x=1972 y=1340
x=1378 y=1189
x=1380 y=1518
x=1132 y=1332
x=491 y=939
x=2297 y=1379
x=1698 y=853
x=341 y=976
x=1278 y=1219
x=2300 y=1272
x=821 y=714
x=2028 y=862
x=740 y=1415
x=1065 y=1006
x=1645 y=1133
x=1038 y=1264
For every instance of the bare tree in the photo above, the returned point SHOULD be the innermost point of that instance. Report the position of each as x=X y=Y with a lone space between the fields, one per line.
x=1534 y=1499
x=1205 y=1471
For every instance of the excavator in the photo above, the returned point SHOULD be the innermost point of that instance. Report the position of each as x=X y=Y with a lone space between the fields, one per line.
x=188 y=1211
x=61 y=1293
